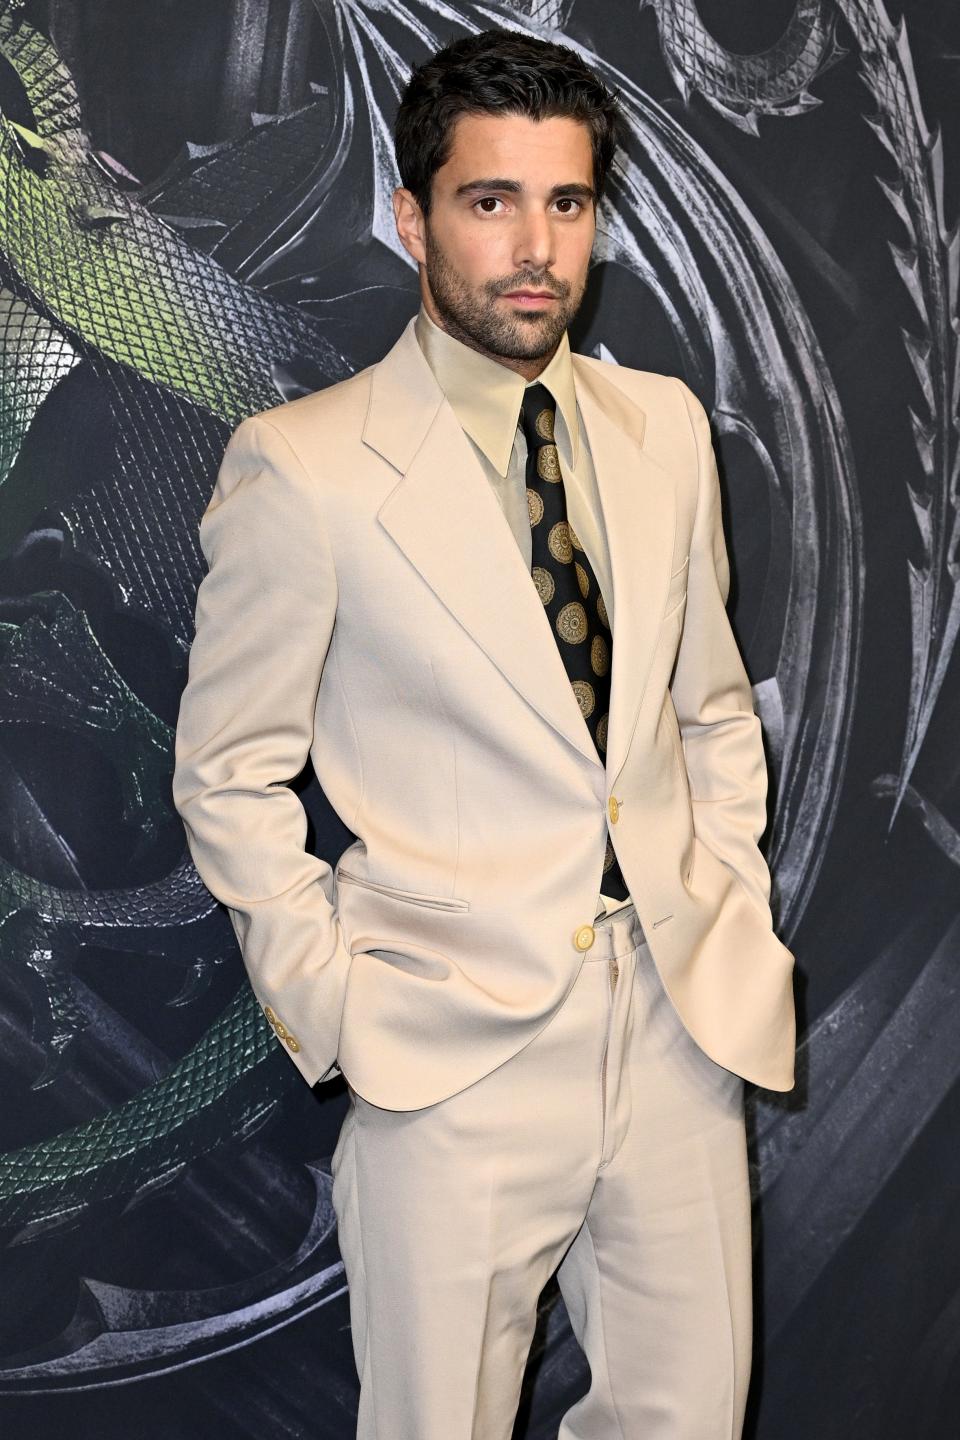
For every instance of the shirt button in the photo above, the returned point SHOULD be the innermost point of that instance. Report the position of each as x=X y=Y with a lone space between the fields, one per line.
x=583 y=937
x=613 y=809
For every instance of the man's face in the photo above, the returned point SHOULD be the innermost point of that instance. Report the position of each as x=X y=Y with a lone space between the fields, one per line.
x=511 y=213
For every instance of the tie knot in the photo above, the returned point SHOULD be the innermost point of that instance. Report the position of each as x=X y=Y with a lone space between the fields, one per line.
x=537 y=415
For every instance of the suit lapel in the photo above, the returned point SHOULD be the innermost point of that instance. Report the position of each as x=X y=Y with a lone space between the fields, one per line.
x=445 y=517
x=638 y=502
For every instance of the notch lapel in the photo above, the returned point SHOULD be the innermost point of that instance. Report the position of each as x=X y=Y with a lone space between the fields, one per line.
x=638 y=504
x=445 y=517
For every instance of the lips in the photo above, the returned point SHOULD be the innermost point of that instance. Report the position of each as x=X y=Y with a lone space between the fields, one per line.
x=529 y=297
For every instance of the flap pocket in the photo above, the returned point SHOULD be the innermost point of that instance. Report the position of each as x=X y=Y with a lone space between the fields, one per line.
x=411 y=897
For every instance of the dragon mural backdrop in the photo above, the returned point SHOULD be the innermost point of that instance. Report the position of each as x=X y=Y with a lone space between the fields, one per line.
x=782 y=231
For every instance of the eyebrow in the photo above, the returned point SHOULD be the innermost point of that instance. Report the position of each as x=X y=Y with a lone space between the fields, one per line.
x=470 y=187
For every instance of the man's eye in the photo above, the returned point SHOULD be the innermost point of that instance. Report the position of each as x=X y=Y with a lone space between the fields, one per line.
x=489 y=201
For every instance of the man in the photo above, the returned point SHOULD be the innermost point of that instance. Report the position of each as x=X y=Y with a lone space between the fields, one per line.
x=547 y=964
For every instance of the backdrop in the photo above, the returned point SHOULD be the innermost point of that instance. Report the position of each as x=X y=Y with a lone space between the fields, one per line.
x=195 y=225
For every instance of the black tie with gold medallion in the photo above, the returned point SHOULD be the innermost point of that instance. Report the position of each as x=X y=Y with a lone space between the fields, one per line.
x=568 y=587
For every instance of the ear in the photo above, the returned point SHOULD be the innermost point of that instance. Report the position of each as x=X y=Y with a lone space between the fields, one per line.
x=410 y=224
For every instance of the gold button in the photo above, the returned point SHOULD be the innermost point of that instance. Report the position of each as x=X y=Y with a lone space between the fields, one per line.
x=292 y=1041
x=281 y=1029
x=269 y=1014
x=613 y=807
x=584 y=937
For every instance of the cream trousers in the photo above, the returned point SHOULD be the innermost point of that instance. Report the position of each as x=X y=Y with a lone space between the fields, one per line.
x=611 y=1146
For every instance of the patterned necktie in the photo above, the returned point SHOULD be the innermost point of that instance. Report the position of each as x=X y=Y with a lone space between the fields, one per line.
x=568 y=588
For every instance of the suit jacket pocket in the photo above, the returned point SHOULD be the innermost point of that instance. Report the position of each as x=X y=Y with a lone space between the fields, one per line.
x=412 y=897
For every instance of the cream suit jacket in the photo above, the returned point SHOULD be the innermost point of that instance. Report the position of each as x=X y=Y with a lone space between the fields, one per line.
x=365 y=604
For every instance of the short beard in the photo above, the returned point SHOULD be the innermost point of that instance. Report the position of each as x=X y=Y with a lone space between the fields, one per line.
x=472 y=316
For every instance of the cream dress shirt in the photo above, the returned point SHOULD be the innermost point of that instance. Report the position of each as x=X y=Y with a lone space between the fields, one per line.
x=486 y=398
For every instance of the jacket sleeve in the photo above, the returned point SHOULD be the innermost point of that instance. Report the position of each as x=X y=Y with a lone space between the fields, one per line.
x=719 y=730
x=264 y=616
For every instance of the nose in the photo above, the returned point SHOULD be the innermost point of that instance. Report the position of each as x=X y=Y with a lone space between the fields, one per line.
x=534 y=248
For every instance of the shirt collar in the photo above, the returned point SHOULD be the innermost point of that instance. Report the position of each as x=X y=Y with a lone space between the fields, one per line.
x=486 y=396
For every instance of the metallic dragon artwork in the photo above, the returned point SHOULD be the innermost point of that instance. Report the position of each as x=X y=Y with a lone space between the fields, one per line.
x=264 y=266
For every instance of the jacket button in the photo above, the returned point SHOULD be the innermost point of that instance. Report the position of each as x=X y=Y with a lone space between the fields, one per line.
x=281 y=1029
x=269 y=1014
x=613 y=809
x=292 y=1041
x=583 y=937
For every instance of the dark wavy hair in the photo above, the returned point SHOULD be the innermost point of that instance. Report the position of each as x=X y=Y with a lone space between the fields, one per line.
x=499 y=72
